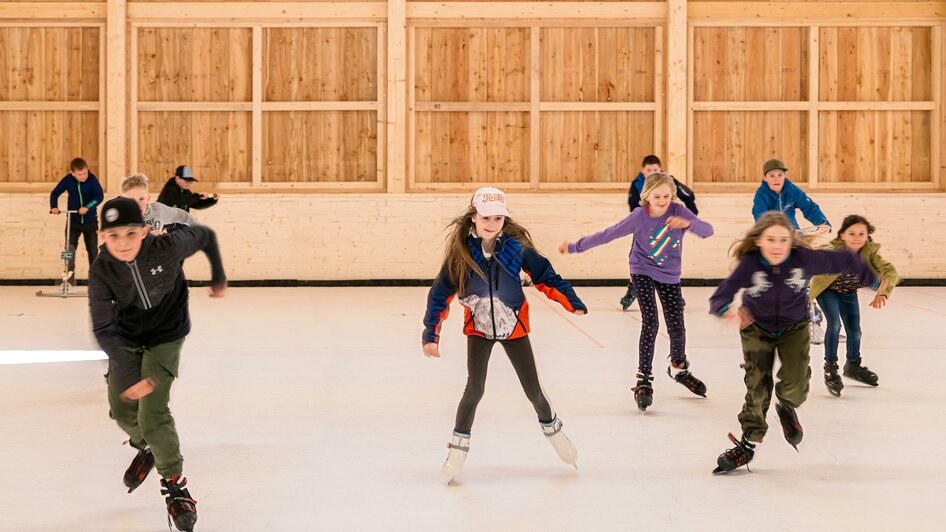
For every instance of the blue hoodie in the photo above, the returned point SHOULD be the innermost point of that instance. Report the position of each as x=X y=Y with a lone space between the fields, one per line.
x=494 y=305
x=86 y=194
x=790 y=199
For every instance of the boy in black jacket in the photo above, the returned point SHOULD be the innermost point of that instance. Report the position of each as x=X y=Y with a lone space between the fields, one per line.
x=138 y=300
x=177 y=193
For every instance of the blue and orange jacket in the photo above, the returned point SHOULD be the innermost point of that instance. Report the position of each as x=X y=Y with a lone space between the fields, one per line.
x=495 y=306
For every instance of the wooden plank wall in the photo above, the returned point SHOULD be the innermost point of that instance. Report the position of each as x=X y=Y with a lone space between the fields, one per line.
x=871 y=64
x=43 y=65
x=334 y=64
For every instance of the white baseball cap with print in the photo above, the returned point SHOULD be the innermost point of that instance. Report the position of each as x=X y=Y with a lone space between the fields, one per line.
x=490 y=201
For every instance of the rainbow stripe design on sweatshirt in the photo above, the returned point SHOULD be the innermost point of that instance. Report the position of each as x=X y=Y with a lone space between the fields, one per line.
x=659 y=243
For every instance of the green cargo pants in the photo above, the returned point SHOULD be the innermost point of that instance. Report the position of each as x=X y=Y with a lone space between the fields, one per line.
x=148 y=421
x=759 y=348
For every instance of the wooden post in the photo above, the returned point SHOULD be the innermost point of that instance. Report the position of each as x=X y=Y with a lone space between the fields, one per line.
x=814 y=60
x=535 y=150
x=676 y=101
x=256 y=118
x=116 y=115
x=396 y=73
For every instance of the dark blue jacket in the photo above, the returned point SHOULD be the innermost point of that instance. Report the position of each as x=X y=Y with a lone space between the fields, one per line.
x=87 y=194
x=495 y=306
x=790 y=199
x=776 y=296
x=683 y=192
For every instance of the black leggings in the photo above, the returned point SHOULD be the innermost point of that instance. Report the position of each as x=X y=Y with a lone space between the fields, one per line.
x=671 y=299
x=88 y=232
x=519 y=352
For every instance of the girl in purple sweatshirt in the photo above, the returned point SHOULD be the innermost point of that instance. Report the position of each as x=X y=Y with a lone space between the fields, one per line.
x=774 y=268
x=655 y=261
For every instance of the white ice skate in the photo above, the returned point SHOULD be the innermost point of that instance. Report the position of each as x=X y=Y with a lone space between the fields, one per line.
x=563 y=446
x=816 y=333
x=459 y=445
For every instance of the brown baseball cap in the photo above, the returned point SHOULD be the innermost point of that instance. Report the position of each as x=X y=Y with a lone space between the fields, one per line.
x=773 y=164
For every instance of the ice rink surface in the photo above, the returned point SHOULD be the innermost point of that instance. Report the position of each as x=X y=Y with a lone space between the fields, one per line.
x=305 y=409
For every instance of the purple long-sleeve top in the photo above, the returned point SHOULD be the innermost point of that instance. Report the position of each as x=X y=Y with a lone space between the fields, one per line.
x=657 y=249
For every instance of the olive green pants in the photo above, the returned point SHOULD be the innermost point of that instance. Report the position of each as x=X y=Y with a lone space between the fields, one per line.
x=759 y=350
x=148 y=421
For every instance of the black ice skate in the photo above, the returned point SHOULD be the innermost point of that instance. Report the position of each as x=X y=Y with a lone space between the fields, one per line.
x=854 y=370
x=140 y=466
x=684 y=377
x=832 y=380
x=182 y=509
x=628 y=298
x=644 y=392
x=738 y=456
x=790 y=425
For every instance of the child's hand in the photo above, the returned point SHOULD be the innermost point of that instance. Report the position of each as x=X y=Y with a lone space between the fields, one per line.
x=54 y=211
x=580 y=312
x=878 y=302
x=741 y=314
x=218 y=290
x=432 y=350
x=138 y=390
x=83 y=210
x=676 y=222
x=563 y=248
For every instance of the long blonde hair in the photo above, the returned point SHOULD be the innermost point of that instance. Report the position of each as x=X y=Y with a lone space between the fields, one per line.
x=747 y=244
x=458 y=257
x=655 y=180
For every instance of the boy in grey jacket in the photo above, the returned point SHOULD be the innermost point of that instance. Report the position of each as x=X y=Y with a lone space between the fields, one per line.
x=158 y=216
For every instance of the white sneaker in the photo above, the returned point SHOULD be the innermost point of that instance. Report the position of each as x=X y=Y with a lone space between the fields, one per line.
x=817 y=334
x=563 y=446
x=459 y=446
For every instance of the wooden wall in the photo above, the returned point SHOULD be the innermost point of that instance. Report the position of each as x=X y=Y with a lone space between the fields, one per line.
x=50 y=84
x=526 y=95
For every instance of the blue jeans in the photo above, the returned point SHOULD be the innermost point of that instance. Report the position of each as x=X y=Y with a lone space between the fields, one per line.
x=837 y=308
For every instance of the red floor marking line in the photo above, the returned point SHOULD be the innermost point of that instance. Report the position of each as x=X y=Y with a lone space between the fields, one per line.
x=570 y=322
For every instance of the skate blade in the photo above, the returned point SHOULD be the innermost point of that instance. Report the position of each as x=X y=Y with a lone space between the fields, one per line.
x=720 y=471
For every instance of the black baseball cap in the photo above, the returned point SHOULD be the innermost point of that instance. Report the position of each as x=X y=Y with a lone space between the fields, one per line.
x=185 y=173
x=120 y=212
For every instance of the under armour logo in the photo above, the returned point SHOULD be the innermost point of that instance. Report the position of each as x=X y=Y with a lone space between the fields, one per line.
x=155 y=271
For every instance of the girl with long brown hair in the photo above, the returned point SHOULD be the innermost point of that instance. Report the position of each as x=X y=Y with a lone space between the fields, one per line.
x=774 y=267
x=486 y=251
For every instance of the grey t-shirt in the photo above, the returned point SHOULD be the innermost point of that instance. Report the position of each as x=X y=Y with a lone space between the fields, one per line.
x=158 y=215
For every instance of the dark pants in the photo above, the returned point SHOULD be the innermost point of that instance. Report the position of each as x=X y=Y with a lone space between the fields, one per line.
x=759 y=349
x=671 y=299
x=839 y=308
x=148 y=421
x=520 y=354
x=88 y=232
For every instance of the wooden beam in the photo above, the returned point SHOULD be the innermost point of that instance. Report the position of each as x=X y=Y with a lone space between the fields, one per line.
x=472 y=107
x=116 y=87
x=659 y=87
x=814 y=58
x=535 y=107
x=321 y=106
x=877 y=106
x=133 y=136
x=598 y=106
x=256 y=108
x=751 y=106
x=936 y=121
x=850 y=11
x=396 y=102
x=195 y=106
x=380 y=115
x=536 y=10
x=251 y=11
x=53 y=10
x=49 y=106
x=411 y=108
x=677 y=51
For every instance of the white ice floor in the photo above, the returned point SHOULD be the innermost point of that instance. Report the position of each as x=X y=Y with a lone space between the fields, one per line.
x=314 y=409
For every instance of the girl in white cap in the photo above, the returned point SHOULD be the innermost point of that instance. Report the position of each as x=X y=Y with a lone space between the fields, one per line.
x=486 y=251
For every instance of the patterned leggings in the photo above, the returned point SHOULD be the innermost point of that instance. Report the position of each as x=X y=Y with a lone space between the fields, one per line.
x=671 y=299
